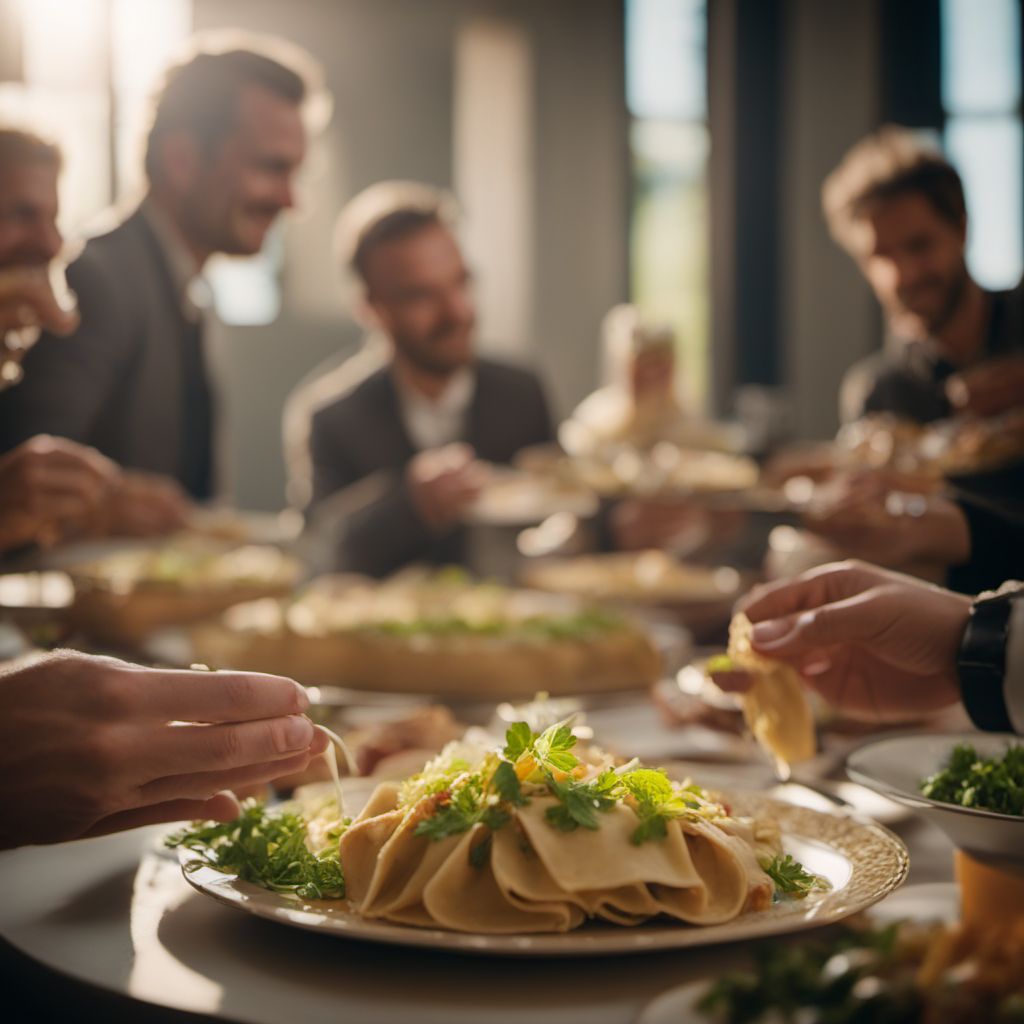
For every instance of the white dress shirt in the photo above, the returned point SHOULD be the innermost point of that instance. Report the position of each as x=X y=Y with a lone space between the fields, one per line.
x=435 y=422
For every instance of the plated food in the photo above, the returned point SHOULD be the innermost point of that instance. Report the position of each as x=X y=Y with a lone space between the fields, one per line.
x=912 y=972
x=953 y=447
x=776 y=708
x=644 y=577
x=438 y=633
x=535 y=837
x=121 y=598
x=665 y=470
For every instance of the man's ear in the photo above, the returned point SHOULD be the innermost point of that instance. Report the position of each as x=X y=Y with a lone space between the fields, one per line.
x=179 y=159
x=962 y=228
x=367 y=313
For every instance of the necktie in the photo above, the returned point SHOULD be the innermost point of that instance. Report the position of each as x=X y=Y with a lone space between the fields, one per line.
x=197 y=416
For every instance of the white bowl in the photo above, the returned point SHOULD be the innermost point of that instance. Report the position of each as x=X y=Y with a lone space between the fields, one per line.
x=896 y=765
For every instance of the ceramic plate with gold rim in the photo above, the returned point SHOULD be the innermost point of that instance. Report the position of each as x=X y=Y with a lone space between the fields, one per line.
x=862 y=861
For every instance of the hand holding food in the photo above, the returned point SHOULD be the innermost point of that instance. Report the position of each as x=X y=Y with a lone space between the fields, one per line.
x=27 y=299
x=144 y=505
x=443 y=483
x=989 y=389
x=51 y=488
x=93 y=745
x=872 y=642
x=870 y=521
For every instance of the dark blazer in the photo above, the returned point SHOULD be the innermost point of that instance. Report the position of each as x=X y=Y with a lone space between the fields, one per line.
x=124 y=380
x=359 y=449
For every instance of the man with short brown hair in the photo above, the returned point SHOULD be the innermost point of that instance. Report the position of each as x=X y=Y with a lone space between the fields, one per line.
x=897 y=206
x=394 y=445
x=226 y=140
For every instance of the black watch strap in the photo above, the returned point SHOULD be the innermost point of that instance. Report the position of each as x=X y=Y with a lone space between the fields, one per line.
x=981 y=663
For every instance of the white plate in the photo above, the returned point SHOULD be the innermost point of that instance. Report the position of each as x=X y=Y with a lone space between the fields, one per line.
x=896 y=765
x=515 y=499
x=863 y=861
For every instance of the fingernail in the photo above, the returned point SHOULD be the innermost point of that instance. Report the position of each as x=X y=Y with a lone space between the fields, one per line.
x=769 y=631
x=298 y=732
x=303 y=698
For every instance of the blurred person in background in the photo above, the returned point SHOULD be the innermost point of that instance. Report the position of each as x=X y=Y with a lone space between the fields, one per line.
x=226 y=139
x=396 y=443
x=52 y=489
x=897 y=207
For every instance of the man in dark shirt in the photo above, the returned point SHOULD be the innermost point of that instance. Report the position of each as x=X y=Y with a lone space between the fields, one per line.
x=395 y=446
x=898 y=208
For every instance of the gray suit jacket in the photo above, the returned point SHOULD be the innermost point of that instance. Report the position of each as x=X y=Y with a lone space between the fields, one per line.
x=119 y=382
x=359 y=449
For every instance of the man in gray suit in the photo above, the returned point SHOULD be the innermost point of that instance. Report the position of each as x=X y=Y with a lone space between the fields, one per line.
x=226 y=139
x=395 y=451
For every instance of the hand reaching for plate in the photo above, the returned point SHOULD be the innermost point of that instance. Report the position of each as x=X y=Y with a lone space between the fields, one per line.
x=874 y=643
x=51 y=488
x=443 y=483
x=94 y=745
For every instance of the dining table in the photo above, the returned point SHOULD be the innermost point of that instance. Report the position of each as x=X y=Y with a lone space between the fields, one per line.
x=108 y=929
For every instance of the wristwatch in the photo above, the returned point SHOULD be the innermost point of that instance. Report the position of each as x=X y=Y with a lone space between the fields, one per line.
x=981 y=661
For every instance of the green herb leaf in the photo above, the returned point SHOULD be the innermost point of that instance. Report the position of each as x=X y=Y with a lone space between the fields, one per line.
x=990 y=784
x=791 y=878
x=518 y=738
x=269 y=849
x=506 y=784
x=580 y=802
x=552 y=748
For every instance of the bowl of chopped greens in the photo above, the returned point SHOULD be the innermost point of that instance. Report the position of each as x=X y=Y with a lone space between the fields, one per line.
x=970 y=784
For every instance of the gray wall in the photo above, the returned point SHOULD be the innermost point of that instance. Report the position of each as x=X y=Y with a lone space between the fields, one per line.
x=389 y=65
x=829 y=317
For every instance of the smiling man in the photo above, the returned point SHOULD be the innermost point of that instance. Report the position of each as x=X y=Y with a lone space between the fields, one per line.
x=897 y=206
x=387 y=451
x=226 y=139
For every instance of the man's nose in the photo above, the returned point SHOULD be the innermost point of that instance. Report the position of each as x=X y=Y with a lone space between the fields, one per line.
x=459 y=305
x=50 y=241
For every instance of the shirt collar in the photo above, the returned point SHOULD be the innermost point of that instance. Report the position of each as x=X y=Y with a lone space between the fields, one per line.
x=455 y=399
x=186 y=274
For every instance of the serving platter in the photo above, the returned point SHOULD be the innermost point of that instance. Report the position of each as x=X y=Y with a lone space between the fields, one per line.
x=862 y=861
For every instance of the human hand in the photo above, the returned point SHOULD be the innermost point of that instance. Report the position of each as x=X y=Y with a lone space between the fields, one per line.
x=27 y=299
x=989 y=389
x=638 y=524
x=49 y=488
x=864 y=518
x=872 y=642
x=143 y=505
x=28 y=304
x=94 y=745
x=443 y=483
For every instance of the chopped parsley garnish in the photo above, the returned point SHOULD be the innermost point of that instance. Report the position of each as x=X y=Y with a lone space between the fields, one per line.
x=469 y=804
x=791 y=878
x=987 y=783
x=580 y=802
x=268 y=848
x=657 y=801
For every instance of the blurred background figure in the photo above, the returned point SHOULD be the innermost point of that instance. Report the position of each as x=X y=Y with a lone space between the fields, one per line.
x=225 y=140
x=395 y=458
x=897 y=206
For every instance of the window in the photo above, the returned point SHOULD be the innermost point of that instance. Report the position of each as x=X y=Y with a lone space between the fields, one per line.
x=666 y=95
x=87 y=71
x=981 y=98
